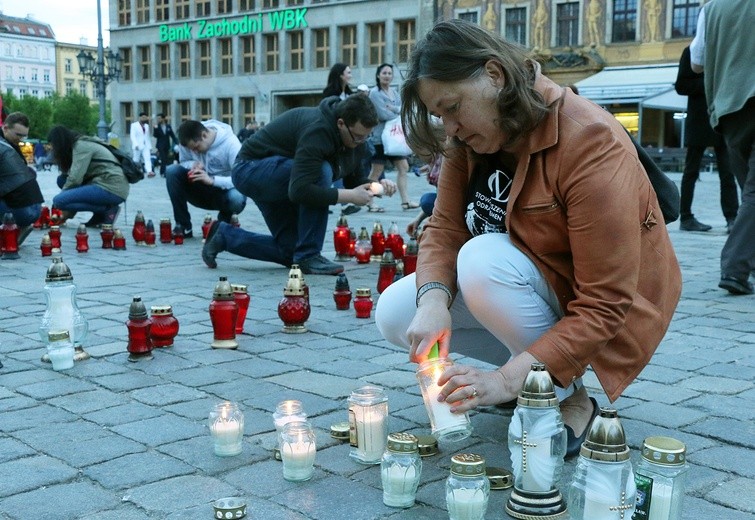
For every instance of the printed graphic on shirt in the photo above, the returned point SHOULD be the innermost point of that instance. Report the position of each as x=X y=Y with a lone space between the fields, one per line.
x=488 y=195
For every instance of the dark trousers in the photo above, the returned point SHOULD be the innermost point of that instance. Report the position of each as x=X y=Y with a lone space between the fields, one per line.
x=738 y=254
x=729 y=198
x=164 y=154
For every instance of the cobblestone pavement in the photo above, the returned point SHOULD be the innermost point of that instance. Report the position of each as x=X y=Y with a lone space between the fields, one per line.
x=110 y=439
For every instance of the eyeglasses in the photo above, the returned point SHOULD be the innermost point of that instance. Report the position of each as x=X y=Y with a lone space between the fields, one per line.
x=357 y=139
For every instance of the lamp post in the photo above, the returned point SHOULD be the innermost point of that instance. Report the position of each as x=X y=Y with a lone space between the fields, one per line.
x=95 y=70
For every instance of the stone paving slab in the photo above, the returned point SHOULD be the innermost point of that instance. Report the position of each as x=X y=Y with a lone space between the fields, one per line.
x=110 y=439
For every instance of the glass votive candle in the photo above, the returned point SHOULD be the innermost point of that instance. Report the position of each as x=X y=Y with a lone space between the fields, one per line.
x=288 y=411
x=368 y=424
x=227 y=428
x=467 y=488
x=297 y=446
x=400 y=470
x=445 y=424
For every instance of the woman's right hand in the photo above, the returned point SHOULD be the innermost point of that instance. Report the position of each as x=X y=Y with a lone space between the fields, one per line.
x=431 y=323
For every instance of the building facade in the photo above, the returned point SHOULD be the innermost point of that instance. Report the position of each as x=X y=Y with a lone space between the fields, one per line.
x=27 y=57
x=69 y=78
x=237 y=60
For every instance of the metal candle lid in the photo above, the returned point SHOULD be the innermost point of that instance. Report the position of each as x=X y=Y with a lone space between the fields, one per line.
x=401 y=442
x=239 y=288
x=467 y=464
x=161 y=310
x=293 y=285
x=499 y=478
x=538 y=390
x=377 y=227
x=412 y=248
x=427 y=445
x=388 y=258
x=81 y=230
x=342 y=222
x=137 y=310
x=222 y=290
x=364 y=234
x=58 y=271
x=57 y=335
x=605 y=440
x=342 y=283
x=364 y=291
x=340 y=431
x=664 y=450
x=139 y=216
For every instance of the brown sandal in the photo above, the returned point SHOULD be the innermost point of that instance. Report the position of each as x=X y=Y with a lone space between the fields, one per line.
x=409 y=205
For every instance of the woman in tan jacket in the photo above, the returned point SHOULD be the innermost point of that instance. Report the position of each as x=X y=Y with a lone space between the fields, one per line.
x=547 y=242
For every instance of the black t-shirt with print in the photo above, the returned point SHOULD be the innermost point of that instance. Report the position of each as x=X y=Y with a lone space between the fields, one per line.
x=487 y=197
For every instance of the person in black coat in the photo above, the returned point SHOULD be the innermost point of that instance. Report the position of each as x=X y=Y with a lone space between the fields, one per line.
x=700 y=135
x=165 y=141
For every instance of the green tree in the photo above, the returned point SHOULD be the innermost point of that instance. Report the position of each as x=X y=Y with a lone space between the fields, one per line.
x=39 y=112
x=75 y=112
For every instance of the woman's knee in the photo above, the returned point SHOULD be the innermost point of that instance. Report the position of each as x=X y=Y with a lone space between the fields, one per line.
x=492 y=258
x=395 y=310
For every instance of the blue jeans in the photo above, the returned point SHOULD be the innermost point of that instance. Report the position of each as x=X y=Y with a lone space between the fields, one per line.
x=427 y=202
x=182 y=192
x=23 y=216
x=297 y=231
x=88 y=197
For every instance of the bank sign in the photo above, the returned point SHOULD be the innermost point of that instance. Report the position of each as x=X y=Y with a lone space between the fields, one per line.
x=283 y=20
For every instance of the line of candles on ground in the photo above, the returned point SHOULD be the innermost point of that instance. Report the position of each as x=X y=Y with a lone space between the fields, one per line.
x=604 y=485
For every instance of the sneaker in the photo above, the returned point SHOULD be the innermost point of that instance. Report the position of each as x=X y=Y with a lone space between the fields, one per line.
x=349 y=209
x=318 y=264
x=692 y=224
x=735 y=286
x=187 y=233
x=24 y=233
x=213 y=245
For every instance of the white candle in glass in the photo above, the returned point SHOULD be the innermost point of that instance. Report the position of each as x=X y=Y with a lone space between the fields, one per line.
x=441 y=417
x=371 y=436
x=61 y=358
x=538 y=474
x=227 y=433
x=286 y=412
x=603 y=491
x=399 y=488
x=660 y=501
x=297 y=446
x=466 y=504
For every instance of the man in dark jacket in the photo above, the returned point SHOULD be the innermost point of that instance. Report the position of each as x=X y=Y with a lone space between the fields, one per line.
x=165 y=139
x=288 y=168
x=700 y=135
x=19 y=191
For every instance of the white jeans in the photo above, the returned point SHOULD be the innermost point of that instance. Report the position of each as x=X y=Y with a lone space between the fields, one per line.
x=503 y=305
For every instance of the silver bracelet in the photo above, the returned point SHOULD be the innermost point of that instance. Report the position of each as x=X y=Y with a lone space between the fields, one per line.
x=434 y=285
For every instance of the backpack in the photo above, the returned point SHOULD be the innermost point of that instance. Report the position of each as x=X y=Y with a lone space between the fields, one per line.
x=131 y=170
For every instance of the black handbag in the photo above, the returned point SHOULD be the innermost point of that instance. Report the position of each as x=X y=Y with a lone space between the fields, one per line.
x=665 y=188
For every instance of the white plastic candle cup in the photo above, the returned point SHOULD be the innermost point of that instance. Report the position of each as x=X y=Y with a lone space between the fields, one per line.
x=297 y=447
x=62 y=358
x=227 y=429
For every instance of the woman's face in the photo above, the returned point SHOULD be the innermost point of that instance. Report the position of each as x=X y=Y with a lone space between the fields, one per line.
x=468 y=109
x=386 y=76
x=346 y=76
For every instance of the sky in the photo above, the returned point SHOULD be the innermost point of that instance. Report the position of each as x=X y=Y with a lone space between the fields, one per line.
x=70 y=19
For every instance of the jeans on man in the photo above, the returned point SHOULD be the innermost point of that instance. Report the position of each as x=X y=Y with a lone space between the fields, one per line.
x=182 y=192
x=297 y=231
x=23 y=216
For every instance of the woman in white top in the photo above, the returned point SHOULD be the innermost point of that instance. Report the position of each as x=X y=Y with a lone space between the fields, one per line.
x=388 y=104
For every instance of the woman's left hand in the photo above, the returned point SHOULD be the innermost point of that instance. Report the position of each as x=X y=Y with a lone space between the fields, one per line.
x=389 y=186
x=465 y=388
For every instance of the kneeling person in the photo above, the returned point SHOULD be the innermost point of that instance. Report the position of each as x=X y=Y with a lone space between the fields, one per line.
x=287 y=168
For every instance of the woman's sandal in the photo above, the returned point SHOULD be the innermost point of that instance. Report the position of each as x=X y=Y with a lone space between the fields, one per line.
x=409 y=205
x=375 y=209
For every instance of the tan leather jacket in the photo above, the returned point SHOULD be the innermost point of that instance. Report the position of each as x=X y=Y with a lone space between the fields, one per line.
x=582 y=208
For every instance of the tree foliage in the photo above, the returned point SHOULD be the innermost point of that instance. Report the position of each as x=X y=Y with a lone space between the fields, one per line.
x=72 y=110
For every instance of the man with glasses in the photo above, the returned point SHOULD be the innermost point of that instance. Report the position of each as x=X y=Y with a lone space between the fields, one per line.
x=19 y=191
x=288 y=168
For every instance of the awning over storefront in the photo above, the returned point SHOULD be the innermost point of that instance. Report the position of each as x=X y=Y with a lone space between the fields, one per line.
x=668 y=100
x=630 y=84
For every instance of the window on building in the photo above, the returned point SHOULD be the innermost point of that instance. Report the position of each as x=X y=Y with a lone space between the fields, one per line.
x=182 y=9
x=22 y=92
x=321 y=38
x=144 y=106
x=684 y=18
x=567 y=24
x=35 y=93
x=376 y=34
x=247 y=54
x=142 y=11
x=225 y=109
x=68 y=65
x=124 y=12
x=247 y=109
x=22 y=73
x=624 y=22
x=271 y=52
x=348 y=36
x=406 y=35
x=8 y=72
x=226 y=56
x=34 y=75
x=163 y=54
x=69 y=87
x=515 y=25
x=469 y=16
x=184 y=60
x=48 y=94
x=46 y=76
x=162 y=10
x=163 y=107
x=83 y=88
x=296 y=50
x=184 y=110
x=294 y=2
x=202 y=8
x=204 y=108
x=127 y=116
x=270 y=4
x=126 y=68
x=246 y=5
x=204 y=58
x=225 y=6
x=145 y=62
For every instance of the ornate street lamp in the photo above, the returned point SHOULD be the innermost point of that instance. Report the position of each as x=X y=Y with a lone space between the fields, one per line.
x=95 y=70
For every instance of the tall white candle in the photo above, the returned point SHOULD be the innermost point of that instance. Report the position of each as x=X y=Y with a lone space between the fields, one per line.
x=538 y=473
x=466 y=504
x=660 y=501
x=398 y=485
x=371 y=436
x=441 y=417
